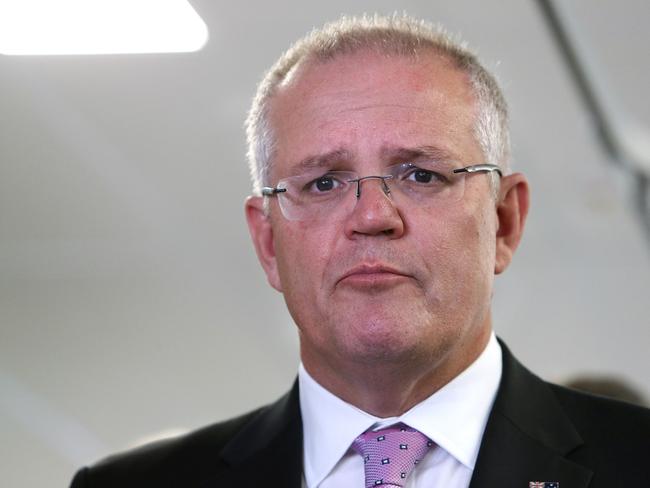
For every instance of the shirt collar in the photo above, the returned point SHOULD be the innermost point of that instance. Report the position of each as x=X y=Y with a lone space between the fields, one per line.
x=331 y=424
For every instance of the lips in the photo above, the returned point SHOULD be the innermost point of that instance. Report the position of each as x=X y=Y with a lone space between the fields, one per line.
x=373 y=275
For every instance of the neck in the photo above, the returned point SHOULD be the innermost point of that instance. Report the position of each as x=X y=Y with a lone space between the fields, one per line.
x=388 y=388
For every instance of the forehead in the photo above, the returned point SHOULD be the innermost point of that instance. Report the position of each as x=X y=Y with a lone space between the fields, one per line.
x=364 y=102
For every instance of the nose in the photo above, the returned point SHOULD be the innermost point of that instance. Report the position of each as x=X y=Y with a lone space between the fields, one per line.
x=374 y=212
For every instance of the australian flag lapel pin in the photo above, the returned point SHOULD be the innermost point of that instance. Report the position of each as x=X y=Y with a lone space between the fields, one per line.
x=543 y=484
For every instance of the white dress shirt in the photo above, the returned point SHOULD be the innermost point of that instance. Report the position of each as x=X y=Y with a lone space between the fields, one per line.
x=454 y=418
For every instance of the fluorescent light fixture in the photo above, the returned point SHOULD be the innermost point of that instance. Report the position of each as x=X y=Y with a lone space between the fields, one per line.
x=99 y=27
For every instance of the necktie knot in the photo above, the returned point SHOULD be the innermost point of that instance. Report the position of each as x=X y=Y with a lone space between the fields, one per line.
x=390 y=454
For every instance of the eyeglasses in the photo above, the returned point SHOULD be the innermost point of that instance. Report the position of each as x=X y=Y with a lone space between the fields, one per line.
x=316 y=196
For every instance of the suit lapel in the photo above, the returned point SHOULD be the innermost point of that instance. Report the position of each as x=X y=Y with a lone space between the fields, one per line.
x=527 y=438
x=527 y=435
x=267 y=451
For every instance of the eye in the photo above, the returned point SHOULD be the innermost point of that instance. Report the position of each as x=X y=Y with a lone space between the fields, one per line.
x=415 y=174
x=422 y=176
x=324 y=184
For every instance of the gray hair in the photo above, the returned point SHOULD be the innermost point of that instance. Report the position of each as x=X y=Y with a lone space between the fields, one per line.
x=397 y=35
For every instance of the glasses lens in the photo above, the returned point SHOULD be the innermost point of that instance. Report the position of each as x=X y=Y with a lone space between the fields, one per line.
x=314 y=196
x=317 y=196
x=427 y=183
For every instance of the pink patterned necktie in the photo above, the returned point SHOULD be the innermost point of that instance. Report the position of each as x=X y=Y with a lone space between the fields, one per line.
x=389 y=455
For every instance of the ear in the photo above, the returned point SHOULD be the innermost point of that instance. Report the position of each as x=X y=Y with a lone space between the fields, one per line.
x=259 y=226
x=512 y=209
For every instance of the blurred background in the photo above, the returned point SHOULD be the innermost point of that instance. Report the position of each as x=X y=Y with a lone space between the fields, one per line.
x=131 y=302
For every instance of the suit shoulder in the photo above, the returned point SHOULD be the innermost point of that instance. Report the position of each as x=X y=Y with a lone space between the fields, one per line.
x=168 y=462
x=611 y=429
x=608 y=415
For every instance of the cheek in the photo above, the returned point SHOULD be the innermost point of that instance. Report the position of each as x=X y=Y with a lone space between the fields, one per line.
x=486 y=228
x=457 y=247
x=301 y=257
x=479 y=254
x=442 y=238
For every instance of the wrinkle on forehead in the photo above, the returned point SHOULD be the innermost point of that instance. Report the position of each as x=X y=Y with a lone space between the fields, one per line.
x=311 y=77
x=387 y=154
x=317 y=98
x=314 y=82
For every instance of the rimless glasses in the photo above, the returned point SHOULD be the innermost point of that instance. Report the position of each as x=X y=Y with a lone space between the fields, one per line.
x=316 y=196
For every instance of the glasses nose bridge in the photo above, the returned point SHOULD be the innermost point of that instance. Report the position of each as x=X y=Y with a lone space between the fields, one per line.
x=384 y=186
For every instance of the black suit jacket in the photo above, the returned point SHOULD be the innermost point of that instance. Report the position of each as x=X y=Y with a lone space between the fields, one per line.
x=536 y=432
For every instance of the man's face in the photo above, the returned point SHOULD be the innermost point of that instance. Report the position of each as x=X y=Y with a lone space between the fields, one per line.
x=386 y=281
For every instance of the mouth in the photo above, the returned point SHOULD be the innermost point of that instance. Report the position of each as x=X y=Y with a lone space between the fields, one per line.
x=373 y=276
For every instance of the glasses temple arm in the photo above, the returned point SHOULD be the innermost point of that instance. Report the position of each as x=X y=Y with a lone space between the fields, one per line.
x=478 y=168
x=267 y=191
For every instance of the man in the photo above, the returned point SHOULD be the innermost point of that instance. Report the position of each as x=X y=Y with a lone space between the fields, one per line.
x=384 y=207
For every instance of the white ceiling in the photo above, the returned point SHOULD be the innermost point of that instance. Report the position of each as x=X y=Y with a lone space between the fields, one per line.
x=130 y=297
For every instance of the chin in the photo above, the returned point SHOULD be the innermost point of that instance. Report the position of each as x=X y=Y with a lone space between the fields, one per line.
x=384 y=340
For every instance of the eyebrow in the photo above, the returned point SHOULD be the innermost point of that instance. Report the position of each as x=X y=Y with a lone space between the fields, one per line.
x=419 y=153
x=326 y=160
x=390 y=154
